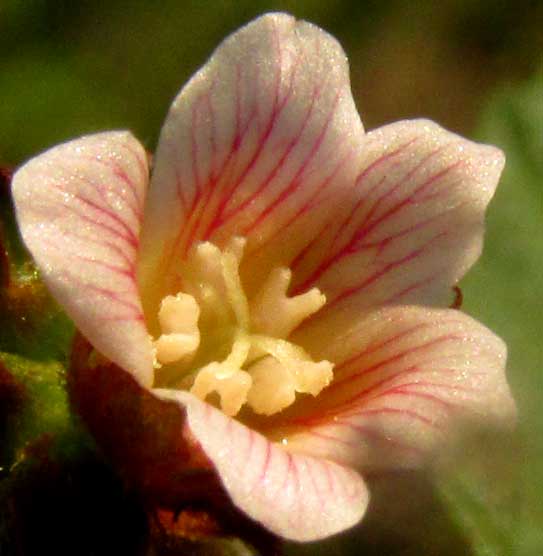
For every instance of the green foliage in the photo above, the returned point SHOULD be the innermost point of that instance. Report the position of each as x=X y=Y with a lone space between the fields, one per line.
x=35 y=337
x=496 y=493
x=44 y=414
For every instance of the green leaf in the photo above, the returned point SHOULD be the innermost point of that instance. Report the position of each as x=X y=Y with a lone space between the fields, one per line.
x=43 y=415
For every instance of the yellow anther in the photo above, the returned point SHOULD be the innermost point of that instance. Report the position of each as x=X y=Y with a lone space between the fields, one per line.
x=232 y=386
x=178 y=319
x=275 y=314
x=178 y=313
x=273 y=387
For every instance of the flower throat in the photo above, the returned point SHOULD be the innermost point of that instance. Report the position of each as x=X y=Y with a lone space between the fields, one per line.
x=216 y=341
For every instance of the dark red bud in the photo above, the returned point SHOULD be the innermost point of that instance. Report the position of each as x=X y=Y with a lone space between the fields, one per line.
x=146 y=439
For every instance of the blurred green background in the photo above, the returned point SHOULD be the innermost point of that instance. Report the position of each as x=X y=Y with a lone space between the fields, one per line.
x=71 y=67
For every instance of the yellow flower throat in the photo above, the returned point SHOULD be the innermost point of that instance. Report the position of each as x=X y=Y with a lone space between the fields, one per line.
x=215 y=340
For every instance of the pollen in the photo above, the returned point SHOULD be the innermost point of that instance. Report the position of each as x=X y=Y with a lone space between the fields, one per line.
x=220 y=343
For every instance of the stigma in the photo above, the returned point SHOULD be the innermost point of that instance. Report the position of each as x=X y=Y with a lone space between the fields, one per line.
x=220 y=343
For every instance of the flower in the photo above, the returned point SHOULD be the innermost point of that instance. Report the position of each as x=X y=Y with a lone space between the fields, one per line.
x=281 y=291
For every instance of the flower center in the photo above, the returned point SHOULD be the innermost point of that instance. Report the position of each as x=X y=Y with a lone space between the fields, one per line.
x=216 y=341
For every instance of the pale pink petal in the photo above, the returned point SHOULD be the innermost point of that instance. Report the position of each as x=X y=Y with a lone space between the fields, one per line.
x=79 y=208
x=295 y=496
x=405 y=379
x=263 y=128
x=413 y=225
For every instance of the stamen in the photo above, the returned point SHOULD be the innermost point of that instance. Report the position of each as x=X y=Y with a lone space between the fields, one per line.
x=170 y=348
x=178 y=319
x=234 y=289
x=231 y=384
x=275 y=382
x=204 y=278
x=311 y=377
x=275 y=314
x=276 y=378
x=226 y=378
x=273 y=388
x=178 y=313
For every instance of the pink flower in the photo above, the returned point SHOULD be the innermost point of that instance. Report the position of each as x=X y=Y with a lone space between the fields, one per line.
x=264 y=182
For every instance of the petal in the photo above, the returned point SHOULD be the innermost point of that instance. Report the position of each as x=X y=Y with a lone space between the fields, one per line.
x=258 y=132
x=295 y=496
x=414 y=224
x=79 y=207
x=405 y=379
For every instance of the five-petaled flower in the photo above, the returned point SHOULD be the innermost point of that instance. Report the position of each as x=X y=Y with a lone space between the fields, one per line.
x=282 y=287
